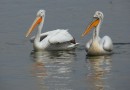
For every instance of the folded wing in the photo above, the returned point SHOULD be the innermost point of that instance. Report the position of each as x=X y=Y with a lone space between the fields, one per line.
x=55 y=36
x=60 y=36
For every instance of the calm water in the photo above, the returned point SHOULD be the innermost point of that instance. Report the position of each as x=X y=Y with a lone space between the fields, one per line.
x=23 y=69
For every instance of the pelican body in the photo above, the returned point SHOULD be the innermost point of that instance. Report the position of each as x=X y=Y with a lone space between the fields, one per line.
x=97 y=45
x=59 y=39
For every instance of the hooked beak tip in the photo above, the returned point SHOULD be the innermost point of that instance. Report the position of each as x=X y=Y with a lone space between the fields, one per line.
x=82 y=35
x=26 y=35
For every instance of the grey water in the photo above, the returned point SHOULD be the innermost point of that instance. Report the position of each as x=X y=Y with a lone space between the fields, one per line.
x=23 y=69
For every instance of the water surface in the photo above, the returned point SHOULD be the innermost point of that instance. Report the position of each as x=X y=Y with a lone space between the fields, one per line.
x=23 y=69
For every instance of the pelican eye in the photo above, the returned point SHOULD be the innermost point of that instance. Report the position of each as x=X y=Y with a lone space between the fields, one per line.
x=99 y=14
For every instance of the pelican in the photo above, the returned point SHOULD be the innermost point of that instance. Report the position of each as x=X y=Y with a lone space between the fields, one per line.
x=59 y=39
x=97 y=45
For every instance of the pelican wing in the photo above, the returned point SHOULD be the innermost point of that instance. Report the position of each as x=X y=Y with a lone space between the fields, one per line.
x=107 y=43
x=60 y=36
x=42 y=36
x=55 y=36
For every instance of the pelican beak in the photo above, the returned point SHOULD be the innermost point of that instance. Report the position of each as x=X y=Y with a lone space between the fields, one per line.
x=94 y=23
x=36 y=22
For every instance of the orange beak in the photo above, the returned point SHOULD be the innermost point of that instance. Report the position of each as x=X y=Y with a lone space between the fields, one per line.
x=89 y=28
x=36 y=22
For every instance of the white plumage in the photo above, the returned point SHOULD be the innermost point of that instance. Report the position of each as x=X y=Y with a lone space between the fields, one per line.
x=97 y=45
x=59 y=39
x=59 y=36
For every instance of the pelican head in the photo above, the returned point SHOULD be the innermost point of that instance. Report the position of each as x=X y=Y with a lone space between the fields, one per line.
x=98 y=17
x=41 y=13
x=38 y=21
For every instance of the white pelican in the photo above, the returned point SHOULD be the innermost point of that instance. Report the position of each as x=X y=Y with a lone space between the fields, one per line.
x=59 y=39
x=97 y=45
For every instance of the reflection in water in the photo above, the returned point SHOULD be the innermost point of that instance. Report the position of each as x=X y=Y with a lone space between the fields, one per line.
x=53 y=69
x=99 y=67
x=38 y=69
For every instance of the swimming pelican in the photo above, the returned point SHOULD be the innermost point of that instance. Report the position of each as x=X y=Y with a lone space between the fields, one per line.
x=59 y=39
x=97 y=45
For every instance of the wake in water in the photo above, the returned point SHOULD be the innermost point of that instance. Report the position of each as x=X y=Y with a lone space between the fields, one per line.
x=121 y=43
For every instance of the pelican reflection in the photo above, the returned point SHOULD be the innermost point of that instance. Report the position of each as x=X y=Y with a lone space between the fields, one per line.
x=99 y=72
x=53 y=68
x=39 y=70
